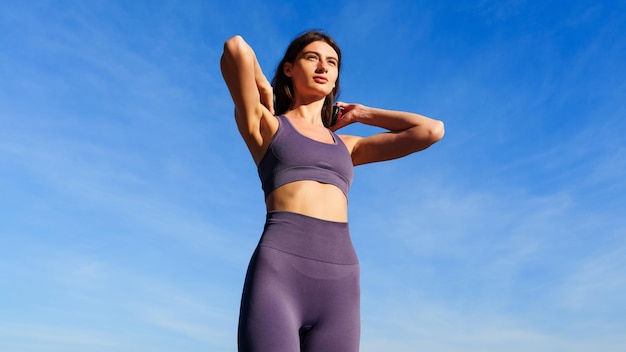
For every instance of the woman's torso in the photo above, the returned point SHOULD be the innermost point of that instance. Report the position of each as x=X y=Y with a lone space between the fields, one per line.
x=306 y=171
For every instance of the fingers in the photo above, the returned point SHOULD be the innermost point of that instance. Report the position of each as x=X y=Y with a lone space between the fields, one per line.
x=343 y=121
x=346 y=107
x=341 y=104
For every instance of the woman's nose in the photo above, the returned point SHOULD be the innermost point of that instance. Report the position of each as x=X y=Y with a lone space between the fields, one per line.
x=322 y=66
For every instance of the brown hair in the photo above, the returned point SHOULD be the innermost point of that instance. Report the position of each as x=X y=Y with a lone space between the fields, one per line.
x=282 y=85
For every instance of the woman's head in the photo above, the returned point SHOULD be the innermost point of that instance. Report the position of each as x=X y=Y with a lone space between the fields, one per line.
x=283 y=85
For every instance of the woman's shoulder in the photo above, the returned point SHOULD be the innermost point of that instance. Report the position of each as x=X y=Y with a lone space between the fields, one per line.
x=349 y=140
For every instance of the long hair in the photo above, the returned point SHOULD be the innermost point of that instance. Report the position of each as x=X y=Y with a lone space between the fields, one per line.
x=282 y=85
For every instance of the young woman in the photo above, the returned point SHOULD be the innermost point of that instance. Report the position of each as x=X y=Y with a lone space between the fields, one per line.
x=301 y=291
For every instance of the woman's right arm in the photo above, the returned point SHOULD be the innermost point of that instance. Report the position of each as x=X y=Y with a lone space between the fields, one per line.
x=251 y=92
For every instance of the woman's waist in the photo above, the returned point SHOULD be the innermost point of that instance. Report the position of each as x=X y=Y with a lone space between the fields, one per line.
x=309 y=237
x=310 y=198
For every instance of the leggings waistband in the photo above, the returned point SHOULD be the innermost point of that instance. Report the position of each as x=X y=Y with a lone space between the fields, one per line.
x=309 y=237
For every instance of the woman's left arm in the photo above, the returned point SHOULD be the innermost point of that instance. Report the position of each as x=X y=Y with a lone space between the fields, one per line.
x=407 y=133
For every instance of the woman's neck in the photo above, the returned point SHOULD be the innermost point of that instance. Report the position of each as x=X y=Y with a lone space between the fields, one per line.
x=309 y=111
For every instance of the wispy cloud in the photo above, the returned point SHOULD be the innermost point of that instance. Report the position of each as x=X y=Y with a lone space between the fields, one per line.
x=597 y=283
x=125 y=307
x=450 y=332
x=24 y=337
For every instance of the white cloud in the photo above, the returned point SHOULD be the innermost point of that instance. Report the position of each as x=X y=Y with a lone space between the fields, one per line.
x=597 y=284
x=24 y=337
x=412 y=323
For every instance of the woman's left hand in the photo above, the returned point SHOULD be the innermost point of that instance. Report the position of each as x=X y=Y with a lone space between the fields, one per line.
x=350 y=113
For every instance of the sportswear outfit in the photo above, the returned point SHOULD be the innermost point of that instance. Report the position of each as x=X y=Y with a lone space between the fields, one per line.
x=302 y=286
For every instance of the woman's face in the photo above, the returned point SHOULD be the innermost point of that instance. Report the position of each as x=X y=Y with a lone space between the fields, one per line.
x=315 y=70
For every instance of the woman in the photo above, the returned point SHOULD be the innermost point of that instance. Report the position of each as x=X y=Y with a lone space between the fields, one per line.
x=302 y=286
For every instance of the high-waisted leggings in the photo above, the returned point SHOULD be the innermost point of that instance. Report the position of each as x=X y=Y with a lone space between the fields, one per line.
x=302 y=288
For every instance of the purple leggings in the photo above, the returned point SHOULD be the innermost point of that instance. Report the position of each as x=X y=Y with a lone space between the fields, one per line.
x=302 y=288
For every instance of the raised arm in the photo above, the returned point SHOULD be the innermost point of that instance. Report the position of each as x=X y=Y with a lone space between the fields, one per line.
x=250 y=90
x=407 y=133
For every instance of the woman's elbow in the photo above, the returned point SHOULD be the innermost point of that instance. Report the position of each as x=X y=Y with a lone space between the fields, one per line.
x=423 y=137
x=234 y=45
x=234 y=40
x=437 y=131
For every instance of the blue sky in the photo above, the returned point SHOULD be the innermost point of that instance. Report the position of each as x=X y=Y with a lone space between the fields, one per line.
x=130 y=206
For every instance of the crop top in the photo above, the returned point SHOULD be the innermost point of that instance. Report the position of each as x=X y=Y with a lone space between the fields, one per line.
x=292 y=157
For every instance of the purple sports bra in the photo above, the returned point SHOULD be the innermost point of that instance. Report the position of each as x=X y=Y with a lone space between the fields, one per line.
x=292 y=157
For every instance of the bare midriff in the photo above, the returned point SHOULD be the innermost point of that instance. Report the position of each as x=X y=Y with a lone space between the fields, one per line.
x=311 y=198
